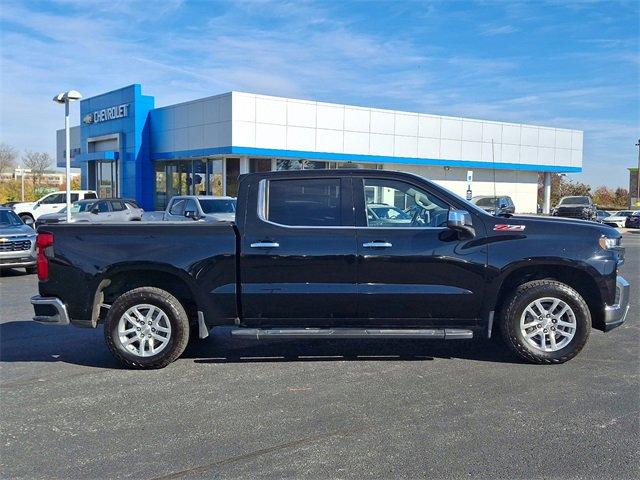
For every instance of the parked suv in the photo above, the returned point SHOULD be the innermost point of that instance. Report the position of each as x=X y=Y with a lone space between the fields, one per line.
x=29 y=212
x=575 y=207
x=17 y=242
x=101 y=210
x=495 y=205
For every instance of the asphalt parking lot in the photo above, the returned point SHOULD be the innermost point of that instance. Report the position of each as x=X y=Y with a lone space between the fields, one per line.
x=315 y=409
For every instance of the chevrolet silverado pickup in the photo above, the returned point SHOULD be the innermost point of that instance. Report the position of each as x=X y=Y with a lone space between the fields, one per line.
x=304 y=258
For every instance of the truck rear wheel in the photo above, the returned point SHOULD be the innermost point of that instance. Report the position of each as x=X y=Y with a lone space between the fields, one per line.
x=545 y=321
x=146 y=328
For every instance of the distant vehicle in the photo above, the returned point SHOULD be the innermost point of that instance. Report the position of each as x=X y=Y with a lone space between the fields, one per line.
x=601 y=215
x=29 y=212
x=380 y=214
x=10 y=204
x=633 y=220
x=202 y=208
x=17 y=242
x=618 y=219
x=502 y=205
x=575 y=207
x=102 y=210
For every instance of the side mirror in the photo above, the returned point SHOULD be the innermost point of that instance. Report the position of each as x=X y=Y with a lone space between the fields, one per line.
x=503 y=205
x=191 y=214
x=95 y=210
x=460 y=221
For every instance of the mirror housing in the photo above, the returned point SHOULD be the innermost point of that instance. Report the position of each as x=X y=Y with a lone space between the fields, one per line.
x=460 y=221
x=95 y=210
x=191 y=214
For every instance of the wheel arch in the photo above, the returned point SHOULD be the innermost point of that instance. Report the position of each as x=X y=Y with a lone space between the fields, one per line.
x=575 y=277
x=122 y=278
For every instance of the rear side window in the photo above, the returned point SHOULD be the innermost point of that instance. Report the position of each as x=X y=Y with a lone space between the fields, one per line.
x=117 y=205
x=74 y=197
x=305 y=202
x=90 y=195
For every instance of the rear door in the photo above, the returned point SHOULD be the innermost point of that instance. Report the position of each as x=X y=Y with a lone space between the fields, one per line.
x=414 y=270
x=120 y=213
x=298 y=252
x=102 y=211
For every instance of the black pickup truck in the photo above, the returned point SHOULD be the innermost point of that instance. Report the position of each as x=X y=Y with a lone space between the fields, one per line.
x=304 y=258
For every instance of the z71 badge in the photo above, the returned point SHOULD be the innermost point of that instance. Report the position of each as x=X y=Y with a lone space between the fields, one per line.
x=501 y=227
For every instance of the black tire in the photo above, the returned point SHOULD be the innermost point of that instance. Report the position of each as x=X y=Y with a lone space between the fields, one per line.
x=521 y=298
x=175 y=313
x=31 y=270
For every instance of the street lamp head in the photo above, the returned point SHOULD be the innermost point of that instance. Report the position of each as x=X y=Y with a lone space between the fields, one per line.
x=70 y=96
x=73 y=95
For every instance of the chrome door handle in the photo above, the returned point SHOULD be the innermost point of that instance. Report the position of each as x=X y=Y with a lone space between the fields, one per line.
x=377 y=245
x=265 y=245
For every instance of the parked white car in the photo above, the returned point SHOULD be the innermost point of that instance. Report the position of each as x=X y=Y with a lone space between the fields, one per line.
x=618 y=219
x=29 y=212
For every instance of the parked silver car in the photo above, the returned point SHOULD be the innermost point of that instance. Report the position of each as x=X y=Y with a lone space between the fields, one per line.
x=204 y=208
x=17 y=242
x=97 y=211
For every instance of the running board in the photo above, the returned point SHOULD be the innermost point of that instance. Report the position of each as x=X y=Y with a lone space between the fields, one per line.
x=425 y=333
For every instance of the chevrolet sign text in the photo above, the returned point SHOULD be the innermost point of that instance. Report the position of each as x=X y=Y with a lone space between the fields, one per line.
x=111 y=113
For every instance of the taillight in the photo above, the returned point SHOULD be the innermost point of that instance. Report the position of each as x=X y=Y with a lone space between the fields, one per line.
x=43 y=241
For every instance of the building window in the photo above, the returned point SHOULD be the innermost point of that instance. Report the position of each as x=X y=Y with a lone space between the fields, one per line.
x=232 y=173
x=300 y=164
x=257 y=165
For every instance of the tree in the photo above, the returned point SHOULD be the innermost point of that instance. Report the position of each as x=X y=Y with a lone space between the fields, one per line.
x=604 y=197
x=38 y=163
x=622 y=198
x=562 y=187
x=8 y=157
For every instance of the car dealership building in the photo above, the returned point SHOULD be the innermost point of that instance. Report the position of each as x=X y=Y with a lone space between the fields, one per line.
x=126 y=147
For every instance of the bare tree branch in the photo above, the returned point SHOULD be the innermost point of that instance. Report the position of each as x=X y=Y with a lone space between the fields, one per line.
x=8 y=157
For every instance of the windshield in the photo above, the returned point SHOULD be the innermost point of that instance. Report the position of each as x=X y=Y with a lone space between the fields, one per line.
x=575 y=201
x=80 y=207
x=8 y=217
x=222 y=205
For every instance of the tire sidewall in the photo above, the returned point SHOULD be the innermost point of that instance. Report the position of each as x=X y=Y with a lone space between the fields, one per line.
x=174 y=316
x=569 y=296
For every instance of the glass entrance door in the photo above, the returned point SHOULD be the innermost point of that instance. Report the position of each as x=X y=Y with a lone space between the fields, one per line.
x=103 y=178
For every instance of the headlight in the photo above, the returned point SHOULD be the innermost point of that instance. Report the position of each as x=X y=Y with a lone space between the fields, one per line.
x=609 y=243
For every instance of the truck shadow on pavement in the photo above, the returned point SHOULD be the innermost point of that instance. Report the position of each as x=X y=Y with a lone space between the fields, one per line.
x=26 y=341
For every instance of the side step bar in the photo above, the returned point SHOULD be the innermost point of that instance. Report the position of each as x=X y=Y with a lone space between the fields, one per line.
x=425 y=333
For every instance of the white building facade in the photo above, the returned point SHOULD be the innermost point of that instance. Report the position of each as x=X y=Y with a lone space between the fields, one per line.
x=201 y=146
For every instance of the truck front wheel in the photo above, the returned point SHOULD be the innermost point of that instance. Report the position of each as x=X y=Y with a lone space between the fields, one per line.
x=146 y=328
x=545 y=321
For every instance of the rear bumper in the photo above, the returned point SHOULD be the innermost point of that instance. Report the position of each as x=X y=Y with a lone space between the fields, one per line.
x=49 y=311
x=614 y=315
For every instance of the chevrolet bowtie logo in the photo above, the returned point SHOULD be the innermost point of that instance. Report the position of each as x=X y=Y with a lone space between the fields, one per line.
x=88 y=118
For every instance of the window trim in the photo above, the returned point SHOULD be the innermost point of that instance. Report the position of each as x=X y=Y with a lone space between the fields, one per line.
x=263 y=208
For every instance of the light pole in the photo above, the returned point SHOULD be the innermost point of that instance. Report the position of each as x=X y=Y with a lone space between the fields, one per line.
x=66 y=97
x=22 y=171
x=638 y=175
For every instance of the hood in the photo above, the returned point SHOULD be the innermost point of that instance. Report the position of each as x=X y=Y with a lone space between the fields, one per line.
x=18 y=207
x=573 y=205
x=52 y=216
x=16 y=230
x=544 y=224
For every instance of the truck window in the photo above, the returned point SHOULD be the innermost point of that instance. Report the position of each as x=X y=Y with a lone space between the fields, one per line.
x=90 y=195
x=55 y=198
x=305 y=202
x=396 y=204
x=117 y=206
x=177 y=208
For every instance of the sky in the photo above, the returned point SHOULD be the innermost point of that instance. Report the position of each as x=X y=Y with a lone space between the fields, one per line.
x=567 y=64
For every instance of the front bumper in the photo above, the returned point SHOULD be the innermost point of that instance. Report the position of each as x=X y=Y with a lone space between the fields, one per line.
x=49 y=311
x=614 y=315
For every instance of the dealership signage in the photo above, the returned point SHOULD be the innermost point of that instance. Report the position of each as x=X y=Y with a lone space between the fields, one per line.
x=111 y=113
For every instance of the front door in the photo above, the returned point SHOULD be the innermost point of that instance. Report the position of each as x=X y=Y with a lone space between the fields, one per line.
x=298 y=252
x=410 y=265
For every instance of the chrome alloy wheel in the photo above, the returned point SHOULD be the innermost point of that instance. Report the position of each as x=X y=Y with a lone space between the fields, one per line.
x=548 y=324
x=144 y=330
